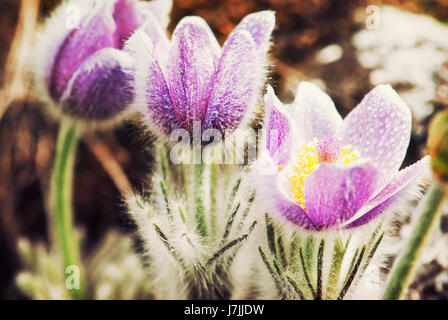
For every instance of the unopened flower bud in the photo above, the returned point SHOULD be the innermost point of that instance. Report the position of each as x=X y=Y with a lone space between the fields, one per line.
x=83 y=68
x=438 y=146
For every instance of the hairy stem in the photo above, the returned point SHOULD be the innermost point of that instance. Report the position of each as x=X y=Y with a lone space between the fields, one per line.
x=213 y=198
x=402 y=273
x=201 y=224
x=61 y=199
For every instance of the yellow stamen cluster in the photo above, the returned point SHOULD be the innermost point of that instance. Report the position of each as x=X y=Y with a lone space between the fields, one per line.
x=348 y=156
x=308 y=161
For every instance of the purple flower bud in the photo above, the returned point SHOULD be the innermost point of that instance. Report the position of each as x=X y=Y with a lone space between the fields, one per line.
x=83 y=68
x=191 y=79
x=330 y=173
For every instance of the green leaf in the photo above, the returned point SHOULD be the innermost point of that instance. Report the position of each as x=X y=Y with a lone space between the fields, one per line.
x=230 y=223
x=167 y=201
x=281 y=251
x=235 y=188
x=230 y=245
x=305 y=273
x=270 y=232
x=320 y=256
x=335 y=269
x=271 y=271
x=246 y=211
x=182 y=215
x=174 y=253
x=295 y=287
x=352 y=274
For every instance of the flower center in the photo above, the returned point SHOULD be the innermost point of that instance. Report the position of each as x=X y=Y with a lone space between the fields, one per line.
x=311 y=155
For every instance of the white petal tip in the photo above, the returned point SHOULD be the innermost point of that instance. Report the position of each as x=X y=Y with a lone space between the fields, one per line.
x=138 y=41
x=271 y=100
x=308 y=87
x=267 y=16
x=191 y=20
x=386 y=92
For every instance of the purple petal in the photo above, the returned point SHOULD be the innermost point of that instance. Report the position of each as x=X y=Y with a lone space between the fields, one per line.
x=379 y=128
x=334 y=192
x=260 y=25
x=278 y=135
x=328 y=149
x=268 y=188
x=152 y=94
x=382 y=200
x=237 y=82
x=127 y=19
x=101 y=87
x=314 y=113
x=129 y=15
x=372 y=213
x=95 y=33
x=190 y=71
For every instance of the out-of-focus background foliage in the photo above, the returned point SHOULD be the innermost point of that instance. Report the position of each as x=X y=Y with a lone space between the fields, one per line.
x=325 y=41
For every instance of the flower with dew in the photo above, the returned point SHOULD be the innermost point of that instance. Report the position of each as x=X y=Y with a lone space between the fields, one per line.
x=192 y=79
x=82 y=67
x=324 y=172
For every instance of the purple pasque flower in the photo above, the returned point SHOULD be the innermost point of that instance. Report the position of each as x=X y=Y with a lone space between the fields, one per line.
x=191 y=80
x=324 y=172
x=83 y=68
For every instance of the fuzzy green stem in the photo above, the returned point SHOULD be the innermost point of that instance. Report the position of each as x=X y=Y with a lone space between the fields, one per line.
x=61 y=200
x=183 y=173
x=201 y=224
x=402 y=273
x=213 y=198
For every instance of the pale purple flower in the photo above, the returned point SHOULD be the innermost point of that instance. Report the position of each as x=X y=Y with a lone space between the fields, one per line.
x=191 y=79
x=83 y=69
x=324 y=172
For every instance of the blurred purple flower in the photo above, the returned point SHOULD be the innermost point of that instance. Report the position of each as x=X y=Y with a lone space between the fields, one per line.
x=84 y=69
x=323 y=172
x=191 y=79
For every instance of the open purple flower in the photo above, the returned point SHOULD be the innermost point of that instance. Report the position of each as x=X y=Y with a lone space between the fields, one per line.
x=191 y=79
x=327 y=173
x=83 y=68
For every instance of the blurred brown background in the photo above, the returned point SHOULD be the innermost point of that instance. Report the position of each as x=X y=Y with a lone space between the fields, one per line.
x=27 y=134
